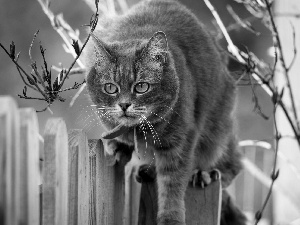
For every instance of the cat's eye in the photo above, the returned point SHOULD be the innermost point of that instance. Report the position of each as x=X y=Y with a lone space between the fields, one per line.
x=141 y=87
x=110 y=88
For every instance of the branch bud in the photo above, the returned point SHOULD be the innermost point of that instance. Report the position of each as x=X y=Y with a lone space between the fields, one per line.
x=12 y=49
x=76 y=47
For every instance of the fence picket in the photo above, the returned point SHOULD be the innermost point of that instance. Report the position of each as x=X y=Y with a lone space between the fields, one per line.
x=203 y=206
x=132 y=196
x=79 y=178
x=29 y=168
x=55 y=173
x=9 y=161
x=107 y=193
x=79 y=188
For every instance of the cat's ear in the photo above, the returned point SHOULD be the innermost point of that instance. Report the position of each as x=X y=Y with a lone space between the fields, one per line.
x=157 y=47
x=102 y=56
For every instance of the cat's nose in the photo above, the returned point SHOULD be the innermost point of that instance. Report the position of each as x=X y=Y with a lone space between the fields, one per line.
x=124 y=106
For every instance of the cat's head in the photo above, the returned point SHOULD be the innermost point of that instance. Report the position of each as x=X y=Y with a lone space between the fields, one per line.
x=132 y=81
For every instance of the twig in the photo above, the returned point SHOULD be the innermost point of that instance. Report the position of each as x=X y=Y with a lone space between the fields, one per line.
x=295 y=48
x=286 y=69
x=250 y=67
x=62 y=28
x=74 y=71
x=295 y=15
x=243 y=23
x=231 y=47
x=49 y=91
x=42 y=99
x=266 y=181
x=267 y=146
x=275 y=172
x=245 y=59
x=77 y=94
x=31 y=45
x=255 y=74
x=23 y=71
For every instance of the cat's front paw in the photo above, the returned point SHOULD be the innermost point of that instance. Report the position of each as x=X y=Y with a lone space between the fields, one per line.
x=146 y=173
x=204 y=178
x=115 y=151
x=110 y=147
x=110 y=151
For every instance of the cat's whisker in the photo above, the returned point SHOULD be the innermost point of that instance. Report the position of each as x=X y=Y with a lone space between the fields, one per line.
x=153 y=131
x=173 y=110
x=105 y=115
x=140 y=108
x=89 y=116
x=145 y=134
x=106 y=108
x=95 y=124
x=82 y=113
x=86 y=125
x=160 y=117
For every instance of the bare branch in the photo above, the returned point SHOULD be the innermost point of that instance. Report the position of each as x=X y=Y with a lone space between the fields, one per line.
x=294 y=15
x=62 y=28
x=283 y=63
x=243 y=23
x=77 y=94
x=74 y=71
x=275 y=172
x=240 y=57
x=295 y=48
x=31 y=45
x=23 y=71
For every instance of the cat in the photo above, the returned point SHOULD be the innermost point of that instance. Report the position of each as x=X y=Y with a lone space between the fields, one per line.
x=161 y=86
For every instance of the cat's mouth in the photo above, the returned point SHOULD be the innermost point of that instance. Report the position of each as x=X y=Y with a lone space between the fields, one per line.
x=125 y=121
x=127 y=116
x=128 y=119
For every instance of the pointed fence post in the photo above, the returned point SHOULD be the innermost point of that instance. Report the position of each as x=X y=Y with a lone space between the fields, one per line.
x=29 y=168
x=9 y=161
x=55 y=173
x=79 y=177
x=107 y=188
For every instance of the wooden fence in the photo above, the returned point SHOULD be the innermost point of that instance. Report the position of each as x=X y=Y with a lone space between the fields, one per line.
x=70 y=183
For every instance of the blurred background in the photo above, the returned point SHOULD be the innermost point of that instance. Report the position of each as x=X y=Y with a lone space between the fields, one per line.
x=19 y=20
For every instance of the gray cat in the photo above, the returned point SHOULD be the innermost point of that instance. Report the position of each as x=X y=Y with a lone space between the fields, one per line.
x=156 y=74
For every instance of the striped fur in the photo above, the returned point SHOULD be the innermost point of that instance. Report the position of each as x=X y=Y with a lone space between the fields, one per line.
x=186 y=118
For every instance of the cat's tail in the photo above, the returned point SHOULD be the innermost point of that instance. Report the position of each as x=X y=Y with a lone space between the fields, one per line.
x=231 y=214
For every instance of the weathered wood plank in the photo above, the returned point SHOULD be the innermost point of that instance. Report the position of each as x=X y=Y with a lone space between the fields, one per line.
x=107 y=188
x=29 y=168
x=55 y=173
x=79 y=177
x=203 y=206
x=132 y=195
x=9 y=161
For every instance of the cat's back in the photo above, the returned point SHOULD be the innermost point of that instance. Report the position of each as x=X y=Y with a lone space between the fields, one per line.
x=148 y=17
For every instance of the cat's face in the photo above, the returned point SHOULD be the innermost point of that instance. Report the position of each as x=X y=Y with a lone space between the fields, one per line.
x=133 y=82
